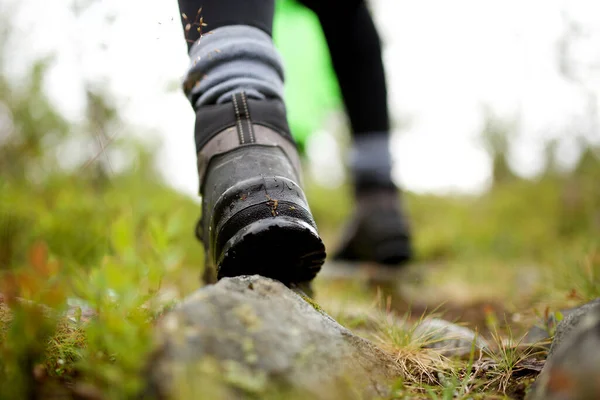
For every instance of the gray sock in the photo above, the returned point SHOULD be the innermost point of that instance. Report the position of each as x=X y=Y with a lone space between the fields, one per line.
x=232 y=59
x=371 y=160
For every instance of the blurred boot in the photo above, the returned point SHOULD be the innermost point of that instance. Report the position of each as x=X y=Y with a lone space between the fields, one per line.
x=379 y=230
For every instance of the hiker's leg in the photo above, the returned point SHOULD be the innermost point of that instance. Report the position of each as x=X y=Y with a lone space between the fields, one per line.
x=218 y=13
x=255 y=217
x=379 y=231
x=235 y=54
x=355 y=51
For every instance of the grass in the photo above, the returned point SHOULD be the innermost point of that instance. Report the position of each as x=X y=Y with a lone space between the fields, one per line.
x=90 y=257
x=124 y=248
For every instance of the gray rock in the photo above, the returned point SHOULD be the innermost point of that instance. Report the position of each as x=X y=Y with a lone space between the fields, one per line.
x=252 y=336
x=537 y=336
x=572 y=318
x=450 y=339
x=573 y=365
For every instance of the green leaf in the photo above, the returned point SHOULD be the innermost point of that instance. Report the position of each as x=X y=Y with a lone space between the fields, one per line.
x=122 y=235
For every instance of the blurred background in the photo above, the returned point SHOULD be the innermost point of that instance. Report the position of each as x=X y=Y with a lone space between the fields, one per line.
x=453 y=69
x=496 y=142
x=485 y=97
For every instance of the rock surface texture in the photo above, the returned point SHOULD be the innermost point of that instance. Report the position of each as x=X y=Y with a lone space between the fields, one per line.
x=448 y=338
x=252 y=336
x=572 y=370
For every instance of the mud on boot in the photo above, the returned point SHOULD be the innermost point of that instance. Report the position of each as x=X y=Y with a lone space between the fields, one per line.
x=255 y=216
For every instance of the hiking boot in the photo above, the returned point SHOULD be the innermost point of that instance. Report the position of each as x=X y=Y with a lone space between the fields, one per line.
x=255 y=216
x=378 y=232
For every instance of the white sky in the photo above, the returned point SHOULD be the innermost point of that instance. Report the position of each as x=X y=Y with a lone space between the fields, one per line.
x=444 y=60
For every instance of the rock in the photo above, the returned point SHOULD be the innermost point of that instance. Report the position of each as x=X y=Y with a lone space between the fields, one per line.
x=572 y=318
x=450 y=339
x=250 y=336
x=573 y=365
x=537 y=336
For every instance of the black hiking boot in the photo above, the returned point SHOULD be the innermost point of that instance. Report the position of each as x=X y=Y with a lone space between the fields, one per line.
x=378 y=232
x=255 y=217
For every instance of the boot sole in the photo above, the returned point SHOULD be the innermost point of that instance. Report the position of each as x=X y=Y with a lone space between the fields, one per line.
x=283 y=248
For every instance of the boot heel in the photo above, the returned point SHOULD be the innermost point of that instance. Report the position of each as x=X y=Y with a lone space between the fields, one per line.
x=261 y=224
x=255 y=217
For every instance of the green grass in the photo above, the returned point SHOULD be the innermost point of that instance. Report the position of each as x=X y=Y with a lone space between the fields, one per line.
x=124 y=246
x=114 y=250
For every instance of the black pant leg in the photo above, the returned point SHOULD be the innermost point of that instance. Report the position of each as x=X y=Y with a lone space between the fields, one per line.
x=218 y=13
x=355 y=50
